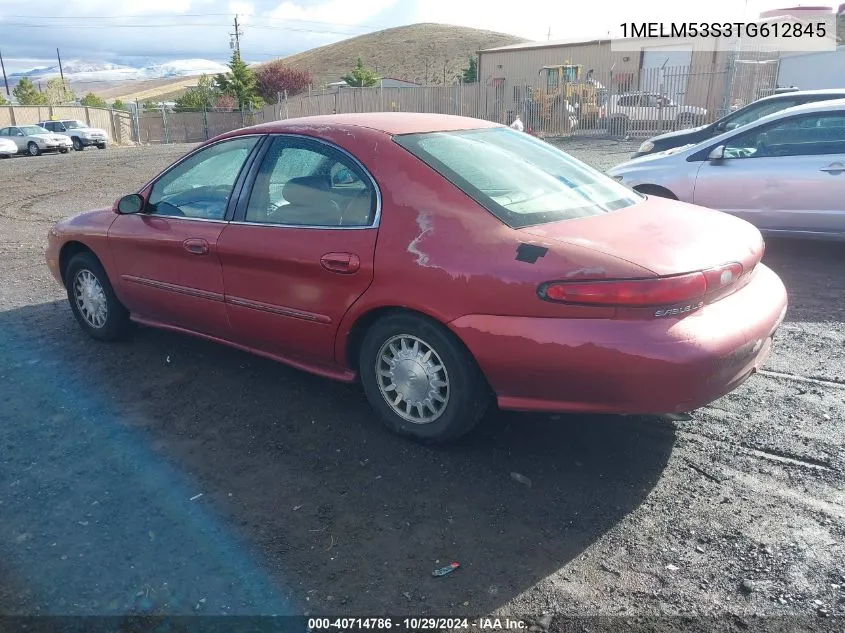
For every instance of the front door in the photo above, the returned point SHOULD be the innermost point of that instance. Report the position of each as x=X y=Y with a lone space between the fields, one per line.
x=300 y=250
x=784 y=176
x=166 y=256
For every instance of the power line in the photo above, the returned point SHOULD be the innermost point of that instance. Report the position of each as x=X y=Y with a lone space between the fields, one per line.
x=191 y=15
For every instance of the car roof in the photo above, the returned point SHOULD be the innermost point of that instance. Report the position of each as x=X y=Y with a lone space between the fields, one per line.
x=813 y=106
x=834 y=92
x=387 y=122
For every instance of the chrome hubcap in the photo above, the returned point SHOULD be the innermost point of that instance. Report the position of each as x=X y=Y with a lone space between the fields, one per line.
x=412 y=379
x=90 y=298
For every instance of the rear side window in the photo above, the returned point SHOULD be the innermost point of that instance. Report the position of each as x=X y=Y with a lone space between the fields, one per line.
x=521 y=180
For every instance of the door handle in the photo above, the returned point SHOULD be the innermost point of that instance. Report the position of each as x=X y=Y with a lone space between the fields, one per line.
x=196 y=246
x=834 y=168
x=344 y=263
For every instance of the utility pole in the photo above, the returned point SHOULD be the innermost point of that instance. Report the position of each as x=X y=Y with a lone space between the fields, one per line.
x=549 y=34
x=62 y=74
x=235 y=42
x=6 y=81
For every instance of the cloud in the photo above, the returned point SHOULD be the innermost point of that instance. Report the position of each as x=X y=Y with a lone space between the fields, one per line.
x=149 y=31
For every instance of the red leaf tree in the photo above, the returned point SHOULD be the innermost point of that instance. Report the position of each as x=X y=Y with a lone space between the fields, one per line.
x=275 y=78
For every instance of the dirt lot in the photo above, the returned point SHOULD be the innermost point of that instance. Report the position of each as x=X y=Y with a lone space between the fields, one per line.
x=170 y=475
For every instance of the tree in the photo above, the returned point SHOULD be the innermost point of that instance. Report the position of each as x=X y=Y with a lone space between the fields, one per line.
x=26 y=93
x=149 y=105
x=226 y=102
x=93 y=101
x=117 y=104
x=202 y=97
x=240 y=82
x=471 y=74
x=57 y=92
x=275 y=78
x=361 y=76
x=3 y=101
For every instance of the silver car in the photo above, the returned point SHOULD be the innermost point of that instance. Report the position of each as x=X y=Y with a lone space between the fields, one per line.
x=7 y=148
x=784 y=173
x=33 y=139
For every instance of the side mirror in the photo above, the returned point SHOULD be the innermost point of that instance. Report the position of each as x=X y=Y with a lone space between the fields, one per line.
x=717 y=153
x=133 y=203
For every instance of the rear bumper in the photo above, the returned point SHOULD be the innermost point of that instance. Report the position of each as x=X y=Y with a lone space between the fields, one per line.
x=626 y=366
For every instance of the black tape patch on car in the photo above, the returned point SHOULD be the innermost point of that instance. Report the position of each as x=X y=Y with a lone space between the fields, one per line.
x=530 y=253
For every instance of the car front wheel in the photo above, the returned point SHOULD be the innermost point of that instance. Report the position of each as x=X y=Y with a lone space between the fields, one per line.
x=33 y=149
x=101 y=146
x=92 y=299
x=77 y=144
x=420 y=379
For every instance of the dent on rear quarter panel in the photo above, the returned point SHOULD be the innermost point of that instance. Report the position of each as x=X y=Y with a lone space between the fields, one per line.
x=439 y=253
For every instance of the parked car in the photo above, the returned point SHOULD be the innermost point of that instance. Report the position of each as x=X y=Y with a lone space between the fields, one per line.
x=7 y=147
x=785 y=173
x=743 y=116
x=638 y=107
x=442 y=260
x=33 y=139
x=80 y=134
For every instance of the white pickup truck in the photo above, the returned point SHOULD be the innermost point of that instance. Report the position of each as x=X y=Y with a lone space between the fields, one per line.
x=80 y=134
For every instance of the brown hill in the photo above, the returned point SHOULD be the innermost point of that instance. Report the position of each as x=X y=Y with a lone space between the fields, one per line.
x=423 y=53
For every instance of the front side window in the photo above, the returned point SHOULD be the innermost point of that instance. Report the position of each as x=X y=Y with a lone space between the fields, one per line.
x=304 y=183
x=808 y=135
x=200 y=186
x=73 y=124
x=521 y=180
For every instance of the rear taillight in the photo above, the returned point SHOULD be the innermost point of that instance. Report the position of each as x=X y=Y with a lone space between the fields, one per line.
x=659 y=291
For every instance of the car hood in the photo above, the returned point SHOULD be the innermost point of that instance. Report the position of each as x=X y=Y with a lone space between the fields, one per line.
x=667 y=237
x=677 y=134
x=89 y=130
x=51 y=136
x=645 y=159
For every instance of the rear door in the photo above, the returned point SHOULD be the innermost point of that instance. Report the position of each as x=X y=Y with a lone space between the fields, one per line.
x=300 y=250
x=785 y=176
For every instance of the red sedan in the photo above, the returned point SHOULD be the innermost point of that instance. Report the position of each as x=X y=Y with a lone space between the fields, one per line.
x=444 y=261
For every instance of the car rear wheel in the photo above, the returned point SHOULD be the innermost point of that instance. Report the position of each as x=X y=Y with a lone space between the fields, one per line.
x=77 y=144
x=64 y=150
x=420 y=379
x=33 y=149
x=92 y=299
x=101 y=146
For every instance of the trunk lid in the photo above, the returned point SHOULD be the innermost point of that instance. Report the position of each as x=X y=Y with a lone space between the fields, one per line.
x=664 y=236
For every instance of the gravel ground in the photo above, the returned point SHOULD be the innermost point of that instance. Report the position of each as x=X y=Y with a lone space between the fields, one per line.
x=171 y=475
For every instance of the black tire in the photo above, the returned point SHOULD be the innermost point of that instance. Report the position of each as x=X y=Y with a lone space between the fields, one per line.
x=468 y=393
x=77 y=144
x=32 y=149
x=64 y=151
x=116 y=323
x=656 y=190
x=101 y=146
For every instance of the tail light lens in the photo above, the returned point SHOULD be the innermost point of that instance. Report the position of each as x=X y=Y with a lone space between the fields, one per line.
x=641 y=292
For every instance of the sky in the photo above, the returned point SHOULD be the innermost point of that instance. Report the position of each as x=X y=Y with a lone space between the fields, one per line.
x=140 y=32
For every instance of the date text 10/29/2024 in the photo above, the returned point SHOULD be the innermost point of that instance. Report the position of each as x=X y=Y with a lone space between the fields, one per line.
x=416 y=624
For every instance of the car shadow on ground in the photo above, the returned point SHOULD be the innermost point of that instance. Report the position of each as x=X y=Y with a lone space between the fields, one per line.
x=812 y=274
x=176 y=475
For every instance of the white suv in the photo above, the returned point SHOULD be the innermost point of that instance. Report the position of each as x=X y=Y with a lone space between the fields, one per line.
x=649 y=107
x=80 y=134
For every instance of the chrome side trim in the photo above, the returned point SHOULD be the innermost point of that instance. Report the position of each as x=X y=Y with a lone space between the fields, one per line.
x=367 y=227
x=277 y=309
x=163 y=285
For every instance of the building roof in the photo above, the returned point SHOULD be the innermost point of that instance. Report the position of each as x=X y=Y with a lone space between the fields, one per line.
x=573 y=41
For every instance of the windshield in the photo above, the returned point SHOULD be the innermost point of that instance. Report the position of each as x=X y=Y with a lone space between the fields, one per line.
x=73 y=124
x=29 y=130
x=520 y=179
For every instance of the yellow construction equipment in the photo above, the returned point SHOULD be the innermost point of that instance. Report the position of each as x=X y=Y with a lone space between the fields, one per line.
x=566 y=98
